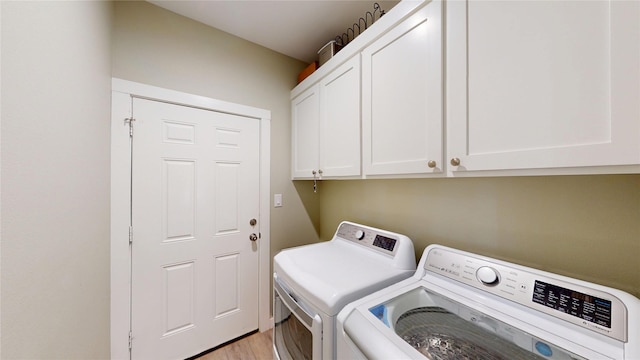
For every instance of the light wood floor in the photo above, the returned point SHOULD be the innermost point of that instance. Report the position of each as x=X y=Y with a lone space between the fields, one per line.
x=253 y=347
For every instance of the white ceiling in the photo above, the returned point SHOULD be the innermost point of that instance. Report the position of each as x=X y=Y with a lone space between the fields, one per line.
x=297 y=28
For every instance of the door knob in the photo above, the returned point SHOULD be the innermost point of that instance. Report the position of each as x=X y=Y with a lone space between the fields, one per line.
x=253 y=222
x=455 y=162
x=253 y=237
x=432 y=164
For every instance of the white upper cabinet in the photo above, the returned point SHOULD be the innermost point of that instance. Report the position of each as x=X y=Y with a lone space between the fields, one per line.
x=497 y=88
x=326 y=126
x=340 y=121
x=402 y=105
x=542 y=85
x=305 y=130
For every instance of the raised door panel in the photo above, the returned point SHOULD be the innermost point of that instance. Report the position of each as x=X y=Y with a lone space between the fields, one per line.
x=305 y=114
x=340 y=121
x=402 y=106
x=543 y=84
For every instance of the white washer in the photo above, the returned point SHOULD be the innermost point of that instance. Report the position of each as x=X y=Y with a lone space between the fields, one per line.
x=313 y=283
x=460 y=305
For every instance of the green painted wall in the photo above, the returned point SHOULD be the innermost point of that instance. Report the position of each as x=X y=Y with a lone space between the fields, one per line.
x=587 y=227
x=154 y=46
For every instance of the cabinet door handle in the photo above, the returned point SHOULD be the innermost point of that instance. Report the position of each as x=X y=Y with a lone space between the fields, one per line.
x=432 y=164
x=455 y=162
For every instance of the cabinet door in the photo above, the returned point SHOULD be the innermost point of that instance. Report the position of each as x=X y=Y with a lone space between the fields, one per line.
x=305 y=126
x=402 y=97
x=340 y=121
x=543 y=84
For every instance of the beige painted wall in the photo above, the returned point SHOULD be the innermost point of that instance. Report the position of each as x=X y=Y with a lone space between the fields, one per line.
x=587 y=227
x=56 y=81
x=157 y=47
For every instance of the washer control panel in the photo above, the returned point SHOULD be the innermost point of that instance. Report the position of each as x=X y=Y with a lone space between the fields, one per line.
x=378 y=240
x=552 y=294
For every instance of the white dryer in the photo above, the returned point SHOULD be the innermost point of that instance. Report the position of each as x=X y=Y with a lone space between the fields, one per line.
x=313 y=283
x=460 y=305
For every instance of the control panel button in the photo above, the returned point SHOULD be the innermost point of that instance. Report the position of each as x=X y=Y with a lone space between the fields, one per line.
x=359 y=234
x=487 y=275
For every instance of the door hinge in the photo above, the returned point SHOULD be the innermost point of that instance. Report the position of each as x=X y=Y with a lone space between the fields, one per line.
x=130 y=235
x=130 y=122
x=130 y=340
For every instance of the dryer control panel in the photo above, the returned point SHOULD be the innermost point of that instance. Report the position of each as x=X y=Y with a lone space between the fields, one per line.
x=375 y=239
x=587 y=305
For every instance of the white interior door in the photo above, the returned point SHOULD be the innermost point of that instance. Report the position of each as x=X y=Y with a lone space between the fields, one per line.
x=195 y=189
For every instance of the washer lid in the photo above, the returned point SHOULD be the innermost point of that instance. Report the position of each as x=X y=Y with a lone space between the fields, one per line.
x=331 y=274
x=417 y=319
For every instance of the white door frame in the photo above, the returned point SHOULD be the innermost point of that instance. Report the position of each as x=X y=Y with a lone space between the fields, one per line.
x=122 y=93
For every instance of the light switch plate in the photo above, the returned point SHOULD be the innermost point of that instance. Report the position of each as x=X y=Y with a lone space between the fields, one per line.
x=277 y=200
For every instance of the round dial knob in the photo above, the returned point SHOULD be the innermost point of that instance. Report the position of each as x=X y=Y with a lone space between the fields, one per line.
x=487 y=276
x=359 y=234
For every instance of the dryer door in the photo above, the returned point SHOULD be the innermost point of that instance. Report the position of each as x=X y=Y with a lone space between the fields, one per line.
x=297 y=333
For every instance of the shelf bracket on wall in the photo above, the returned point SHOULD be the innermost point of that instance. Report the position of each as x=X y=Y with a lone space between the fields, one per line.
x=315 y=179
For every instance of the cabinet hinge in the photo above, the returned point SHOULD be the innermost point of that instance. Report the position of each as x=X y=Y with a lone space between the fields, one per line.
x=130 y=340
x=130 y=122
x=130 y=235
